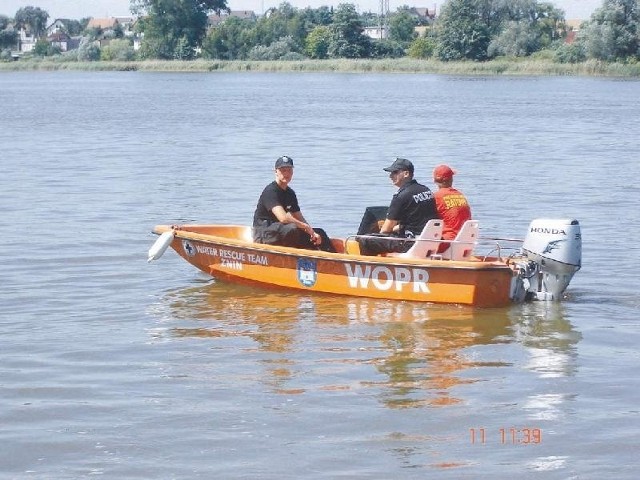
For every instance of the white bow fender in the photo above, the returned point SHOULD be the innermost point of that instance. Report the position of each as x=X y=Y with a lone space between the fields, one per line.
x=160 y=245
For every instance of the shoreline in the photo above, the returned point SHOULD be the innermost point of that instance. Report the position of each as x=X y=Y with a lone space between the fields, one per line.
x=515 y=67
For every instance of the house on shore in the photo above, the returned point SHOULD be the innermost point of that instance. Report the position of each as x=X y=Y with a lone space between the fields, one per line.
x=26 y=41
x=573 y=27
x=422 y=16
x=58 y=35
x=103 y=24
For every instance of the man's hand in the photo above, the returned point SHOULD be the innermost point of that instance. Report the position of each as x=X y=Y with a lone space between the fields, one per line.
x=315 y=239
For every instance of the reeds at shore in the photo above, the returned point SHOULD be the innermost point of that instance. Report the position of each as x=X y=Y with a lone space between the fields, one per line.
x=501 y=66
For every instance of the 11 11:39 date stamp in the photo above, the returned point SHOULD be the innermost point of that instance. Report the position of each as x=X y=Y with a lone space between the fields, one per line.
x=505 y=436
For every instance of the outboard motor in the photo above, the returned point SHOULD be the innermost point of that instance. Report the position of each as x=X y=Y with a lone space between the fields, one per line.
x=555 y=247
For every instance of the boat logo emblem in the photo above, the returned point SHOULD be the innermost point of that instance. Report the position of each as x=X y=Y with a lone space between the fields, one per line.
x=307 y=272
x=189 y=249
x=552 y=246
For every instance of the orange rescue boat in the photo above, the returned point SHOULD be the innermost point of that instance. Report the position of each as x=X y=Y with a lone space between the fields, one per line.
x=540 y=268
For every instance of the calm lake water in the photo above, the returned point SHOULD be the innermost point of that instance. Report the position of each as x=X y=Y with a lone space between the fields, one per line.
x=113 y=367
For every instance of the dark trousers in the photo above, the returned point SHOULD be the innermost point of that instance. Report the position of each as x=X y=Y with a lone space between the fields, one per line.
x=289 y=235
x=375 y=244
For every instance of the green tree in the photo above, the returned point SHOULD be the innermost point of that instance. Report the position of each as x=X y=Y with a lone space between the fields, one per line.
x=318 y=16
x=347 y=38
x=422 y=47
x=517 y=39
x=613 y=32
x=169 y=24
x=8 y=39
x=282 y=49
x=402 y=27
x=183 y=50
x=281 y=22
x=570 y=53
x=33 y=19
x=119 y=49
x=88 y=51
x=8 y=36
x=386 y=48
x=530 y=24
x=478 y=29
x=551 y=24
x=463 y=32
x=229 y=40
x=4 y=22
x=318 y=41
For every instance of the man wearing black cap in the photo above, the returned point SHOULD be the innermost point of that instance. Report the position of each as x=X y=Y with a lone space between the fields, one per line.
x=411 y=207
x=278 y=219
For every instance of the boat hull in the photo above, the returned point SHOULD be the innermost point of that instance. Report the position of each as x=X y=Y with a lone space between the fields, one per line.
x=224 y=252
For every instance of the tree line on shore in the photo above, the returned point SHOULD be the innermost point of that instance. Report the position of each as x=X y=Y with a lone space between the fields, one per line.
x=476 y=30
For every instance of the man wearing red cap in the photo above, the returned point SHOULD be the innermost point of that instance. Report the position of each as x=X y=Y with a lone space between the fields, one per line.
x=451 y=204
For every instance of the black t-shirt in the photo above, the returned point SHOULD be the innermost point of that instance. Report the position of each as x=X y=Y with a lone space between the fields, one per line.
x=412 y=207
x=272 y=196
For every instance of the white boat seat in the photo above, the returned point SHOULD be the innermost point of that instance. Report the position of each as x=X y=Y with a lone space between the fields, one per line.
x=427 y=243
x=462 y=246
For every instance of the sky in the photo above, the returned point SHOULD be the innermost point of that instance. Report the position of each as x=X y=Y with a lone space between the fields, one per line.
x=77 y=9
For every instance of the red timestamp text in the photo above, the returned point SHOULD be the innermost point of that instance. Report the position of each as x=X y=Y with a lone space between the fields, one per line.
x=505 y=436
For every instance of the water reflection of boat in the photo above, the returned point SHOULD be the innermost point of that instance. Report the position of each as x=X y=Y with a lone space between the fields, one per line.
x=549 y=338
x=550 y=343
x=417 y=350
x=428 y=360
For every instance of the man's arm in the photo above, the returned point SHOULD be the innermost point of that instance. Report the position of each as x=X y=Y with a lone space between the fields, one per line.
x=295 y=217
x=302 y=223
x=389 y=226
